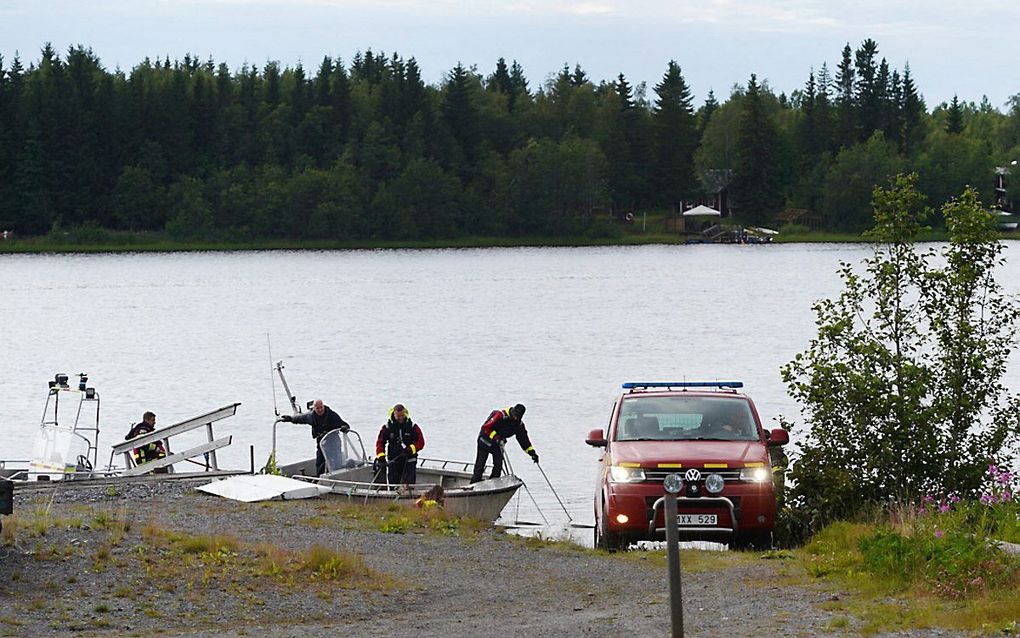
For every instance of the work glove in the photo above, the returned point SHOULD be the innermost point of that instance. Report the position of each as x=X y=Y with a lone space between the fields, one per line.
x=345 y=428
x=286 y=418
x=378 y=464
x=534 y=456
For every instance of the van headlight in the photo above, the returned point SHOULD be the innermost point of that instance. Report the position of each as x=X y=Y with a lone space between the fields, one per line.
x=620 y=474
x=756 y=474
x=714 y=483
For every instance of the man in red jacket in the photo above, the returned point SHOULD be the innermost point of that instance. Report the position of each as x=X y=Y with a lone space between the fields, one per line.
x=501 y=425
x=397 y=448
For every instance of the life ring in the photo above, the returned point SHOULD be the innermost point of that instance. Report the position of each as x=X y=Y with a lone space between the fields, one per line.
x=628 y=216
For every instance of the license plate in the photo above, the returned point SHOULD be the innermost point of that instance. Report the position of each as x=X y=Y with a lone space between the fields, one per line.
x=697 y=520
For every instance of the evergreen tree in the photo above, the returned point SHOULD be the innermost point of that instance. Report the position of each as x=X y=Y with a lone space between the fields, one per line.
x=757 y=182
x=867 y=91
x=461 y=115
x=676 y=138
x=954 y=116
x=706 y=111
x=846 y=108
x=913 y=112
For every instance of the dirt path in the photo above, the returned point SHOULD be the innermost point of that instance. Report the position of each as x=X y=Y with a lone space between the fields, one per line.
x=71 y=578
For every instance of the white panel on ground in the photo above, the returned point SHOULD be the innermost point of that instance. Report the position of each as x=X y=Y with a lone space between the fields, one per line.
x=263 y=487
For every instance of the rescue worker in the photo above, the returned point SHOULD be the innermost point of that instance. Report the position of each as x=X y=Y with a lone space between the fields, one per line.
x=399 y=441
x=500 y=426
x=323 y=420
x=150 y=451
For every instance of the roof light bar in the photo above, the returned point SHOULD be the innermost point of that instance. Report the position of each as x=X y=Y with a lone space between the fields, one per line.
x=630 y=385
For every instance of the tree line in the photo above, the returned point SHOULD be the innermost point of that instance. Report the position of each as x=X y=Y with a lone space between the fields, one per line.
x=366 y=150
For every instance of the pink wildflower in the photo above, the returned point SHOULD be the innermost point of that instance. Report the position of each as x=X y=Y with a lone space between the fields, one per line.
x=944 y=507
x=939 y=533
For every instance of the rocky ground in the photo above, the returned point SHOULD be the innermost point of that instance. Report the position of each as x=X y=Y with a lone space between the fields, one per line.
x=161 y=557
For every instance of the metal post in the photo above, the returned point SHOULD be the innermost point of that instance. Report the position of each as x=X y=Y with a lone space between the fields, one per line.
x=676 y=599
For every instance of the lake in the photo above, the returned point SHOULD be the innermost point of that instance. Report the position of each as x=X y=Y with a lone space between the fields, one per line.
x=451 y=334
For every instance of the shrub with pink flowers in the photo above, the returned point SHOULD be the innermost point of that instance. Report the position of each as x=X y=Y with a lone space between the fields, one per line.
x=948 y=544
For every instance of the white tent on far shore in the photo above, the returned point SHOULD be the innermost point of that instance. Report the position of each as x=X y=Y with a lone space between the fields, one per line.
x=702 y=211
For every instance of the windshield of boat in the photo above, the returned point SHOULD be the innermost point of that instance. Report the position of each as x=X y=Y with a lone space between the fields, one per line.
x=685 y=418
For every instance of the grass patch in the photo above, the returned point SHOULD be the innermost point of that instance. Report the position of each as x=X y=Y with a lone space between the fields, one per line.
x=395 y=518
x=917 y=571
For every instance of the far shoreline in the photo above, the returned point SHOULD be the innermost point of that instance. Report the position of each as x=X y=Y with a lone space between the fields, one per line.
x=152 y=243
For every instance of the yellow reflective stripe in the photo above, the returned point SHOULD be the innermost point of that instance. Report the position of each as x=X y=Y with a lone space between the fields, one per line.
x=674 y=465
x=528 y=451
x=412 y=449
x=630 y=465
x=716 y=465
x=380 y=455
x=492 y=434
x=756 y=464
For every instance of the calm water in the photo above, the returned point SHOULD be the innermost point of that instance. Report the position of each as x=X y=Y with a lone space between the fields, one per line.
x=452 y=334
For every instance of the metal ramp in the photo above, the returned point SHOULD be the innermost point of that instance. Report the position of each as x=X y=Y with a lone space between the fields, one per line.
x=208 y=449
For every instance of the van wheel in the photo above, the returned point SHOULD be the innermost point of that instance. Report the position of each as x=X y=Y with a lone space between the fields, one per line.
x=604 y=539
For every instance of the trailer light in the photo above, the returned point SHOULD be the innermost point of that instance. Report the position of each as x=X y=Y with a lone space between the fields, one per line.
x=622 y=519
x=756 y=474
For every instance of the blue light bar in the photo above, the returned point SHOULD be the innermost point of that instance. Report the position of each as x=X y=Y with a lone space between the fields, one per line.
x=630 y=385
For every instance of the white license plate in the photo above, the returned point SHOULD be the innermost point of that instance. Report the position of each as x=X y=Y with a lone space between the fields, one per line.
x=697 y=520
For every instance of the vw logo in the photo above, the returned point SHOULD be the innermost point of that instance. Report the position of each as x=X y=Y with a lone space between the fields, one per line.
x=692 y=475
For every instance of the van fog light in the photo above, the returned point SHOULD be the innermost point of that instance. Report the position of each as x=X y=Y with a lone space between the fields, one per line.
x=714 y=483
x=622 y=519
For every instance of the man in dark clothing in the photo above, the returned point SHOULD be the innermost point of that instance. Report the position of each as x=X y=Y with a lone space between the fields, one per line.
x=322 y=420
x=399 y=440
x=501 y=425
x=150 y=451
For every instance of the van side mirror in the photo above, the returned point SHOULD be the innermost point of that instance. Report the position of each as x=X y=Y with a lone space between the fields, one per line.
x=777 y=437
x=596 y=438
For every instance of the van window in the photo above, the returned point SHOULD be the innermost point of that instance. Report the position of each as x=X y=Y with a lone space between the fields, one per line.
x=685 y=419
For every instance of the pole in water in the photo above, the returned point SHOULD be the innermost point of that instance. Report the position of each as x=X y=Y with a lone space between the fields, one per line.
x=276 y=411
x=553 y=490
x=510 y=471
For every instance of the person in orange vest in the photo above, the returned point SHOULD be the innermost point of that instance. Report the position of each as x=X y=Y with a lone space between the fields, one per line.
x=397 y=447
x=500 y=426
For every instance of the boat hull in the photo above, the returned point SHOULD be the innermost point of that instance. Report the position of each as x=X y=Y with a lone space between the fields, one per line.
x=484 y=500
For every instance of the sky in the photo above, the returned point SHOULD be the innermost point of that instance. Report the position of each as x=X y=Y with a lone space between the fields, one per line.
x=953 y=48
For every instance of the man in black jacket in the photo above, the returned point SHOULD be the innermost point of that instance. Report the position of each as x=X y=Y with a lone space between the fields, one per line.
x=322 y=420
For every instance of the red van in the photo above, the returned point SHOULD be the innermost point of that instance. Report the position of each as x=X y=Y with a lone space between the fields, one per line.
x=708 y=433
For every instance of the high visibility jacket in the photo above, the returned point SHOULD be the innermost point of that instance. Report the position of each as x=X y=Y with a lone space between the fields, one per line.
x=396 y=437
x=500 y=426
x=148 y=452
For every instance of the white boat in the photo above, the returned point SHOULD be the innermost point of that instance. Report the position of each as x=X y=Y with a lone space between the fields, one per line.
x=67 y=445
x=349 y=474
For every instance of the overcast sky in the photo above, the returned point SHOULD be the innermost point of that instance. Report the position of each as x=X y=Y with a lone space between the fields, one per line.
x=965 y=48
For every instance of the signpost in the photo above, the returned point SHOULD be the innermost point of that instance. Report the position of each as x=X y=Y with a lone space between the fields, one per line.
x=673 y=483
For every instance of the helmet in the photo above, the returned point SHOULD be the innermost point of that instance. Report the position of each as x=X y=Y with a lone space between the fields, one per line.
x=517 y=411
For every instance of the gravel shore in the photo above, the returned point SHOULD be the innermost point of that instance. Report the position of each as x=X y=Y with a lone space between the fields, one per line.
x=68 y=574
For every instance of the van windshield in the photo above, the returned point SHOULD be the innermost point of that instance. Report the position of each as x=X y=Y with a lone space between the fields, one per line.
x=685 y=419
